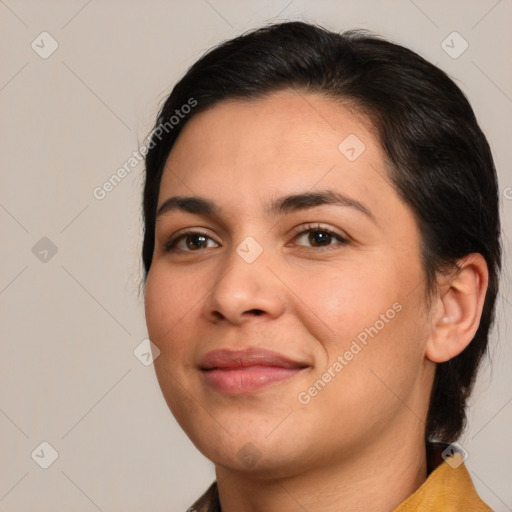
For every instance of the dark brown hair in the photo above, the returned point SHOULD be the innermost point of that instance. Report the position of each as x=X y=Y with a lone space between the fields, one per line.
x=439 y=160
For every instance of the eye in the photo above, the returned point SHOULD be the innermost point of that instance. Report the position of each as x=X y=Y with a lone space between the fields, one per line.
x=319 y=236
x=190 y=241
x=316 y=235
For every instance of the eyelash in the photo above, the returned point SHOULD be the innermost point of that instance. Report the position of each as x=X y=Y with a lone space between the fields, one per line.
x=170 y=246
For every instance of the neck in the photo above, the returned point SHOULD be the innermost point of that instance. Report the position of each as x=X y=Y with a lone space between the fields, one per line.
x=378 y=479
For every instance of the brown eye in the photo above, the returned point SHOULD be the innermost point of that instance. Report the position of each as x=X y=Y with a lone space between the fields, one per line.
x=319 y=237
x=195 y=241
x=189 y=242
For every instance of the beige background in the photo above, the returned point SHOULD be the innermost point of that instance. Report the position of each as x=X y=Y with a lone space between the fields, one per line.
x=69 y=324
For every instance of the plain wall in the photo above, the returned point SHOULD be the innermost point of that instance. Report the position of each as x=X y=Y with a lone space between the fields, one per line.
x=70 y=321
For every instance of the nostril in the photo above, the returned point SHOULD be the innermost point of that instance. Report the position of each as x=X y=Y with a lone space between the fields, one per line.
x=256 y=311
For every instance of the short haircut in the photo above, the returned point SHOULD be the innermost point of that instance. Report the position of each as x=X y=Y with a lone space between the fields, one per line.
x=438 y=158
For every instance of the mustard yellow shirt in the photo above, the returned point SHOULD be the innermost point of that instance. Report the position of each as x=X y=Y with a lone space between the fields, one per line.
x=448 y=488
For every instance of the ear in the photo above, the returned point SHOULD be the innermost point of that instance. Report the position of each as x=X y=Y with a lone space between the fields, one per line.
x=457 y=308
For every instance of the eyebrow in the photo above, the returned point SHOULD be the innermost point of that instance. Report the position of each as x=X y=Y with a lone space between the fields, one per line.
x=279 y=206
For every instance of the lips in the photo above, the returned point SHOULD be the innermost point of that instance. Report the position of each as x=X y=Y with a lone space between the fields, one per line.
x=245 y=371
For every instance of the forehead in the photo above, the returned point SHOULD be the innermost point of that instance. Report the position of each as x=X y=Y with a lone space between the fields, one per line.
x=287 y=141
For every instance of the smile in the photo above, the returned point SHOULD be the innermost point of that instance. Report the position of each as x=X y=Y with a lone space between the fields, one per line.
x=246 y=371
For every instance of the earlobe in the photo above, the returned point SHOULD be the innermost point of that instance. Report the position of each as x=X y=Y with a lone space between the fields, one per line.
x=458 y=308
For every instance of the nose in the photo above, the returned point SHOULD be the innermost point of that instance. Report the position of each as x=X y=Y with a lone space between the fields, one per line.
x=244 y=290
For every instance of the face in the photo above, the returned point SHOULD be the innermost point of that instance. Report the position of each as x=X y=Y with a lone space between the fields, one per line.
x=287 y=302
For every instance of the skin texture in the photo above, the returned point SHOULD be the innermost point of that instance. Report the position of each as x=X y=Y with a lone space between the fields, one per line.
x=360 y=440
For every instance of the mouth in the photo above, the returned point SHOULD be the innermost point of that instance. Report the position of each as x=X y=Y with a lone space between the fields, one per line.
x=246 y=371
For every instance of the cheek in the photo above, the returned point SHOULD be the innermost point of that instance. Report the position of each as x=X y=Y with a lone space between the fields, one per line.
x=392 y=351
x=368 y=318
x=369 y=383
x=169 y=303
x=170 y=299
x=345 y=300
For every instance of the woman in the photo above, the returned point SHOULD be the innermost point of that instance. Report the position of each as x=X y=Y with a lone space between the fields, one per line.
x=322 y=254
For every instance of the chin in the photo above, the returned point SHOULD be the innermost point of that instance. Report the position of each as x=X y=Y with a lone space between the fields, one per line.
x=251 y=451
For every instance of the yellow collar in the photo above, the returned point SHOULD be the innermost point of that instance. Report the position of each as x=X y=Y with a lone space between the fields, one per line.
x=448 y=488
